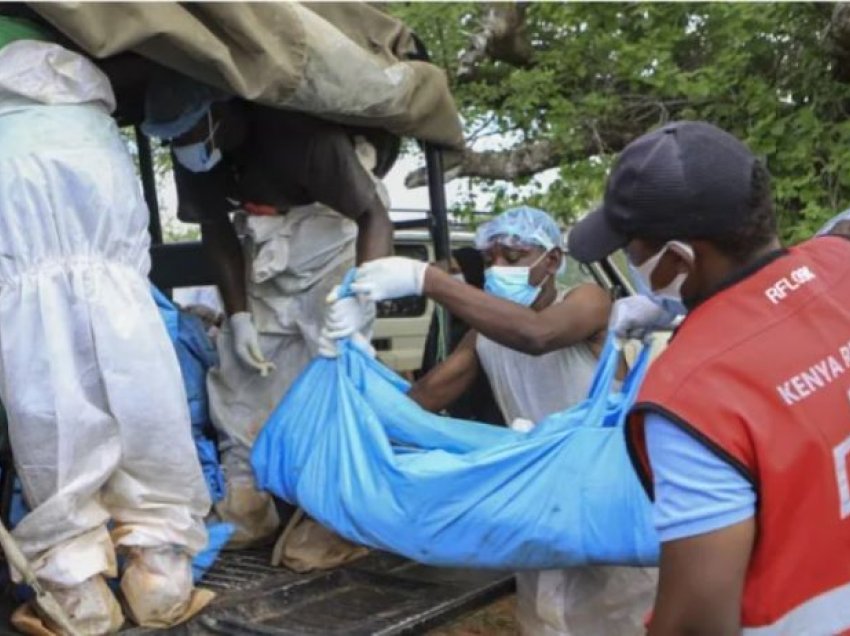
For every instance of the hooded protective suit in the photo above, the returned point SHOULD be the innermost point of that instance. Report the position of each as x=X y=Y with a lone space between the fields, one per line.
x=97 y=412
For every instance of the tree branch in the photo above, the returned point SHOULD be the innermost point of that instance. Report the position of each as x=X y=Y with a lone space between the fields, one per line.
x=528 y=158
x=502 y=38
x=522 y=160
x=839 y=41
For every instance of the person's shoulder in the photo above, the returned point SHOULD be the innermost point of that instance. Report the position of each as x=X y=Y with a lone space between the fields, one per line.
x=587 y=293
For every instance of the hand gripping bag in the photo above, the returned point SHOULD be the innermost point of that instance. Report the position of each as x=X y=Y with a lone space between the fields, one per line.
x=355 y=453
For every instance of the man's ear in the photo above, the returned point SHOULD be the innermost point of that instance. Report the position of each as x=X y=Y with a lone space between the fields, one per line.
x=683 y=255
x=553 y=261
x=671 y=264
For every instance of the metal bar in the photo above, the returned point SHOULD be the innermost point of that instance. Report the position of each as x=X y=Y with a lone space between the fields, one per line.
x=621 y=286
x=149 y=184
x=7 y=487
x=439 y=222
x=412 y=224
x=437 y=197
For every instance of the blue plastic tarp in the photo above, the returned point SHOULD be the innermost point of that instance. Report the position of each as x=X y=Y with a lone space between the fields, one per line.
x=348 y=446
x=196 y=355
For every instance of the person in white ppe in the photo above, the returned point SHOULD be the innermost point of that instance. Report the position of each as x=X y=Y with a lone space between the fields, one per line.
x=538 y=346
x=306 y=199
x=98 y=421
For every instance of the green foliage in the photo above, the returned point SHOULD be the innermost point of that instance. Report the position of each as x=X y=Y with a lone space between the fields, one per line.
x=172 y=229
x=603 y=73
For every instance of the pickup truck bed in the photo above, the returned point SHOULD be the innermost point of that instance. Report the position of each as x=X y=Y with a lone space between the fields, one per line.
x=381 y=594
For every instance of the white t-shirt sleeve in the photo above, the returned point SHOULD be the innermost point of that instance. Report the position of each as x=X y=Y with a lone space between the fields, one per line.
x=696 y=491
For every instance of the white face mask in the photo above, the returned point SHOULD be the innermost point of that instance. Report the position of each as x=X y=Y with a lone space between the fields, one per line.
x=202 y=156
x=669 y=297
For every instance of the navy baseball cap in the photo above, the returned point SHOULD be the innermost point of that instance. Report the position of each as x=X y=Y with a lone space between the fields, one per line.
x=685 y=180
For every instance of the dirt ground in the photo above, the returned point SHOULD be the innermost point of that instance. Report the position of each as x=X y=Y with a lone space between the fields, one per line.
x=494 y=620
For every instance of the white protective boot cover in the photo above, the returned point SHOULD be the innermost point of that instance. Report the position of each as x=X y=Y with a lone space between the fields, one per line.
x=91 y=607
x=158 y=589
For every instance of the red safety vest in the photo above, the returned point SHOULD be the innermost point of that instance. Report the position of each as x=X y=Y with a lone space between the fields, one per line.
x=760 y=372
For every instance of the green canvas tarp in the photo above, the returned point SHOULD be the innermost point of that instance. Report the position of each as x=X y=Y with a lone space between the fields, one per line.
x=347 y=62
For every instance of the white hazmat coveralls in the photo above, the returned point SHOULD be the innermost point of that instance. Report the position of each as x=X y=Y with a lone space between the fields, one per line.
x=98 y=419
x=294 y=260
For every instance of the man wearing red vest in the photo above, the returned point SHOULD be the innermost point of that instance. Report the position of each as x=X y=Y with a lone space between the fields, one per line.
x=741 y=432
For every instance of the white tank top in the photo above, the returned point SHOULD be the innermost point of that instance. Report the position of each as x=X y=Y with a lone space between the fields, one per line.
x=533 y=387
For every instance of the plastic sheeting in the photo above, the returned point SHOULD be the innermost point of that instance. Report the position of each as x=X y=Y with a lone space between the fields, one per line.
x=352 y=450
x=196 y=355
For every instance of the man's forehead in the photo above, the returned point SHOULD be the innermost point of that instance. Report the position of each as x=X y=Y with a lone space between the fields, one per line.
x=514 y=249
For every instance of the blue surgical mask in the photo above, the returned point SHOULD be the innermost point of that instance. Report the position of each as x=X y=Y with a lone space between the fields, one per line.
x=511 y=283
x=202 y=156
x=670 y=298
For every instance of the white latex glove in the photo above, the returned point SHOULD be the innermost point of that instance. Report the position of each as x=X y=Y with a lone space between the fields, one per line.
x=521 y=425
x=345 y=316
x=328 y=347
x=246 y=344
x=362 y=342
x=391 y=277
x=638 y=316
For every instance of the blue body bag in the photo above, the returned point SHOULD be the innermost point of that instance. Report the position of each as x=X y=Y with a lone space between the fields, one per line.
x=348 y=446
x=196 y=355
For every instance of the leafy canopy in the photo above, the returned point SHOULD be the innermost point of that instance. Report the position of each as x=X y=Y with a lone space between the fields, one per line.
x=602 y=73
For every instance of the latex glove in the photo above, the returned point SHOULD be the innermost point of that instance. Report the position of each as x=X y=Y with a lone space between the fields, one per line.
x=362 y=342
x=328 y=346
x=246 y=344
x=347 y=316
x=521 y=425
x=391 y=277
x=638 y=316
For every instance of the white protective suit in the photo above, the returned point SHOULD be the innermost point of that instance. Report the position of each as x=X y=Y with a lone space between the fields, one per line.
x=294 y=260
x=580 y=601
x=98 y=418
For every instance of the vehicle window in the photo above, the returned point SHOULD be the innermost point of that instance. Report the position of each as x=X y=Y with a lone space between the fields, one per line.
x=409 y=306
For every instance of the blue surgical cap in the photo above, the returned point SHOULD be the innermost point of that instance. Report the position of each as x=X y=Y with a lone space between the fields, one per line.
x=174 y=103
x=827 y=228
x=524 y=225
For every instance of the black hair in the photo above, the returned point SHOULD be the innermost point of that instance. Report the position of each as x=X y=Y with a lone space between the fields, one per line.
x=758 y=220
x=471 y=263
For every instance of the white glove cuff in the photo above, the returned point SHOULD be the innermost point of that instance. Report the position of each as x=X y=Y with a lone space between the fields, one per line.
x=420 y=277
x=239 y=319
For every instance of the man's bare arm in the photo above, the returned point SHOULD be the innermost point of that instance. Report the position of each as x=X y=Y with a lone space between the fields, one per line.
x=222 y=248
x=582 y=315
x=701 y=583
x=446 y=382
x=374 y=234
